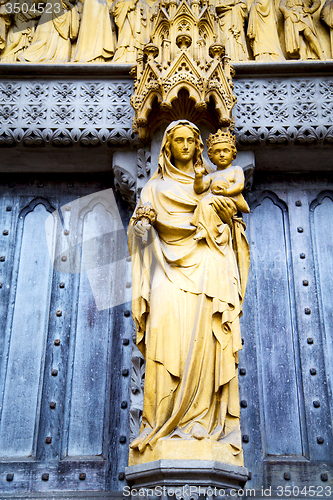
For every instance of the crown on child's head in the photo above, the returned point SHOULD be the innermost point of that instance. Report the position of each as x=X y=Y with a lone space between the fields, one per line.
x=221 y=137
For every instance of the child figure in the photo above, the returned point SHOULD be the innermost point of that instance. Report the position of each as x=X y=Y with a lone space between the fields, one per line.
x=227 y=180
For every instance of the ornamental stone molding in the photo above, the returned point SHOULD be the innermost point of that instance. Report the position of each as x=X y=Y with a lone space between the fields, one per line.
x=66 y=113
x=284 y=111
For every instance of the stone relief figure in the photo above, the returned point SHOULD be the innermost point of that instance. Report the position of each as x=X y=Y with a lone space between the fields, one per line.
x=133 y=22
x=20 y=33
x=96 y=40
x=232 y=15
x=300 y=33
x=327 y=16
x=4 y=23
x=262 y=31
x=52 y=39
x=228 y=180
x=187 y=300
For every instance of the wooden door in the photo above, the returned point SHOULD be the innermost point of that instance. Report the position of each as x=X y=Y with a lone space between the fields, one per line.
x=66 y=352
x=66 y=333
x=286 y=364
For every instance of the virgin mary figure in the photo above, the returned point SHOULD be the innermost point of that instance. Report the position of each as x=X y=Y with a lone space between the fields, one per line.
x=187 y=301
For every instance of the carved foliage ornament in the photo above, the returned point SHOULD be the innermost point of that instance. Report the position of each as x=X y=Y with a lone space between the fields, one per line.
x=294 y=111
x=86 y=113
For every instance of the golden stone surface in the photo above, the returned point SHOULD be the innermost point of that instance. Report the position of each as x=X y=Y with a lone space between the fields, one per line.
x=171 y=449
x=191 y=66
x=187 y=300
x=102 y=31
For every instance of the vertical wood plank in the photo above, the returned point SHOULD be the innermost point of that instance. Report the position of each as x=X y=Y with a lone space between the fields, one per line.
x=123 y=330
x=323 y=247
x=86 y=420
x=53 y=401
x=276 y=354
x=253 y=414
x=8 y=223
x=314 y=384
x=20 y=411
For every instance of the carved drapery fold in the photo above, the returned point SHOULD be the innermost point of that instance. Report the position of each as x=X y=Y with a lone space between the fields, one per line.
x=76 y=31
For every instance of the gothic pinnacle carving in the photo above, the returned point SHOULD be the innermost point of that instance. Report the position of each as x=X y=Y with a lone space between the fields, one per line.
x=184 y=61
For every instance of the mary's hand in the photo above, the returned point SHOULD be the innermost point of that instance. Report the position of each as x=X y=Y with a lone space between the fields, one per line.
x=225 y=208
x=141 y=229
x=199 y=169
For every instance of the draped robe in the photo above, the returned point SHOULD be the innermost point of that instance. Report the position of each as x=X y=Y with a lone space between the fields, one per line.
x=262 y=31
x=132 y=20
x=19 y=36
x=187 y=299
x=96 y=40
x=51 y=42
x=295 y=22
x=232 y=15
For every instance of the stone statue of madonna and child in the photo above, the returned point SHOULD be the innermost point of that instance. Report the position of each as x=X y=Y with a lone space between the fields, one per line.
x=190 y=260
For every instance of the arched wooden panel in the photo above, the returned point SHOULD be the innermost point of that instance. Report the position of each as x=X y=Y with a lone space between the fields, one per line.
x=92 y=346
x=275 y=329
x=27 y=331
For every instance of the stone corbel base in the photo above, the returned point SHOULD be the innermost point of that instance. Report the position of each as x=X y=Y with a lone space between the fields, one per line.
x=205 y=450
x=186 y=479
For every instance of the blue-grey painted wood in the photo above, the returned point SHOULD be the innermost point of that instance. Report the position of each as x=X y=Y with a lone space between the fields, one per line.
x=86 y=420
x=322 y=225
x=264 y=386
x=122 y=328
x=52 y=417
x=252 y=415
x=101 y=472
x=314 y=383
x=8 y=221
x=276 y=347
x=22 y=392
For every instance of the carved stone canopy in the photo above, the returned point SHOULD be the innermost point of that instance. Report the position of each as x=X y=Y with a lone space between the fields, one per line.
x=190 y=74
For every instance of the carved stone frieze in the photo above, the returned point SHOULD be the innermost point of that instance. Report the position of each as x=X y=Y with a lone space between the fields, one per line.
x=65 y=113
x=98 y=32
x=284 y=111
x=280 y=110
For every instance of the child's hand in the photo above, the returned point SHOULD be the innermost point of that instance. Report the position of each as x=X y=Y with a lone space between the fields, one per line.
x=220 y=187
x=219 y=190
x=199 y=169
